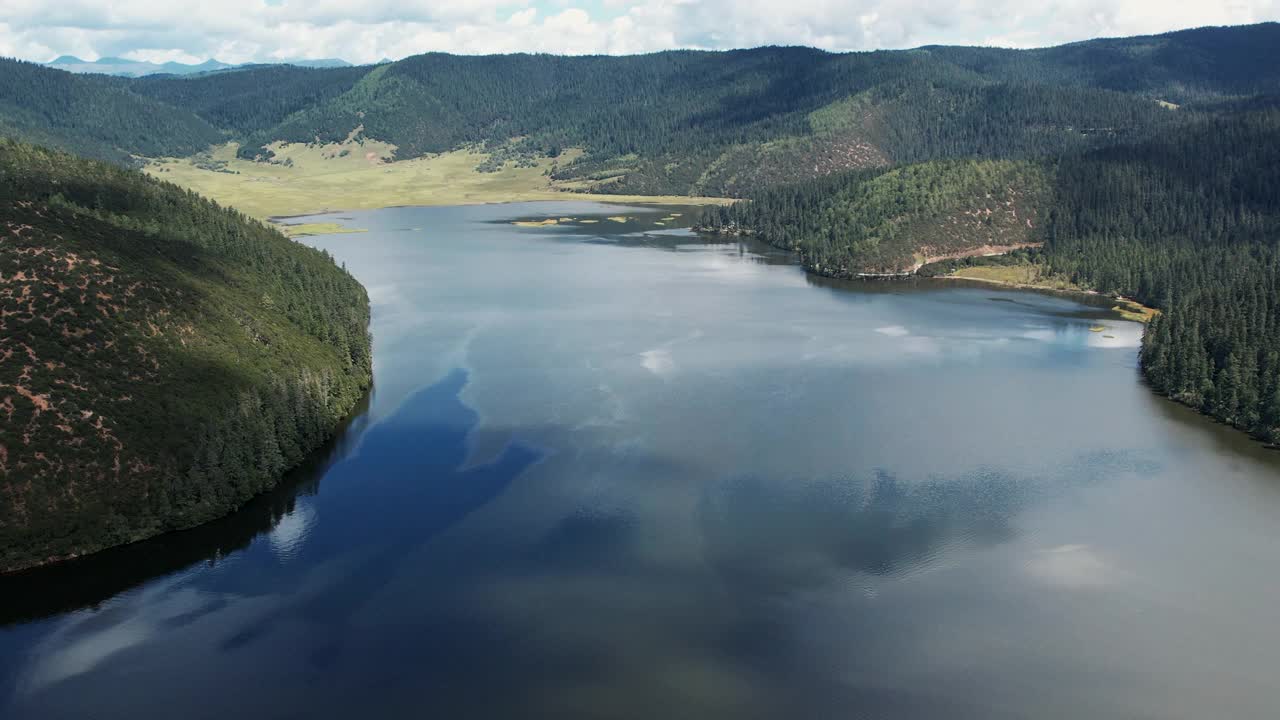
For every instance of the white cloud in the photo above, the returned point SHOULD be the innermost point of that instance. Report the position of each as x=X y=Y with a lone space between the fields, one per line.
x=524 y=18
x=245 y=30
x=162 y=56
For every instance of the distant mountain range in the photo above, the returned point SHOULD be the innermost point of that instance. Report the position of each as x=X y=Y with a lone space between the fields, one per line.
x=677 y=122
x=136 y=68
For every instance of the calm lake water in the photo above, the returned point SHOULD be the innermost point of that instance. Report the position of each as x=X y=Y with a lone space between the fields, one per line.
x=609 y=471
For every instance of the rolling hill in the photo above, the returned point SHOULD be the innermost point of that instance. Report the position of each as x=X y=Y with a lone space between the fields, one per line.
x=717 y=123
x=162 y=359
x=94 y=116
x=679 y=122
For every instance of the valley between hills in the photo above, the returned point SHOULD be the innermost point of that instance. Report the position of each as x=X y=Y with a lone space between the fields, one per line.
x=359 y=174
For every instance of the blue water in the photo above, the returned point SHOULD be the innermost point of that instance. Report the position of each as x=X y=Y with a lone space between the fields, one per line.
x=611 y=471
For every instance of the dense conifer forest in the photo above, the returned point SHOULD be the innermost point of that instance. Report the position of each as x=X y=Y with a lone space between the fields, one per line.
x=1189 y=224
x=94 y=116
x=162 y=359
x=891 y=222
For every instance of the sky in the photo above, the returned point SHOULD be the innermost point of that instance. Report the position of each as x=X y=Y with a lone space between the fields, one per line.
x=363 y=31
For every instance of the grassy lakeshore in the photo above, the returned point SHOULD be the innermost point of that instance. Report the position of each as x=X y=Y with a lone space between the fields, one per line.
x=307 y=179
x=1032 y=277
x=1023 y=276
x=308 y=229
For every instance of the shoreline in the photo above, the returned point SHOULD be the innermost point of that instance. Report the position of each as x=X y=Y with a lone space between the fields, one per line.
x=1137 y=312
x=1127 y=308
x=295 y=231
x=288 y=478
x=677 y=200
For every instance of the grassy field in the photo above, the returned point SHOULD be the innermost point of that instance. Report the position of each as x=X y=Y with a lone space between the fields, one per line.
x=1028 y=275
x=1131 y=310
x=303 y=180
x=306 y=229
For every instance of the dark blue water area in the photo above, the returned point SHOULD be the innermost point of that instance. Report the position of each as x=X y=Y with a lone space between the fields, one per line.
x=403 y=484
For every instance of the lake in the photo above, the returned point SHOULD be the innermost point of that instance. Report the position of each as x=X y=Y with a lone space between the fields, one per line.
x=609 y=470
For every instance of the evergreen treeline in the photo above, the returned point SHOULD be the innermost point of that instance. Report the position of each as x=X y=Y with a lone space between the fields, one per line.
x=892 y=221
x=1189 y=224
x=244 y=101
x=162 y=359
x=94 y=116
x=1185 y=66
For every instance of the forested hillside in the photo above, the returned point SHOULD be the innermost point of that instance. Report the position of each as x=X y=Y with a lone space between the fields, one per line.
x=162 y=359
x=894 y=221
x=94 y=116
x=680 y=122
x=725 y=123
x=248 y=100
x=1189 y=224
x=1186 y=66
x=713 y=123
